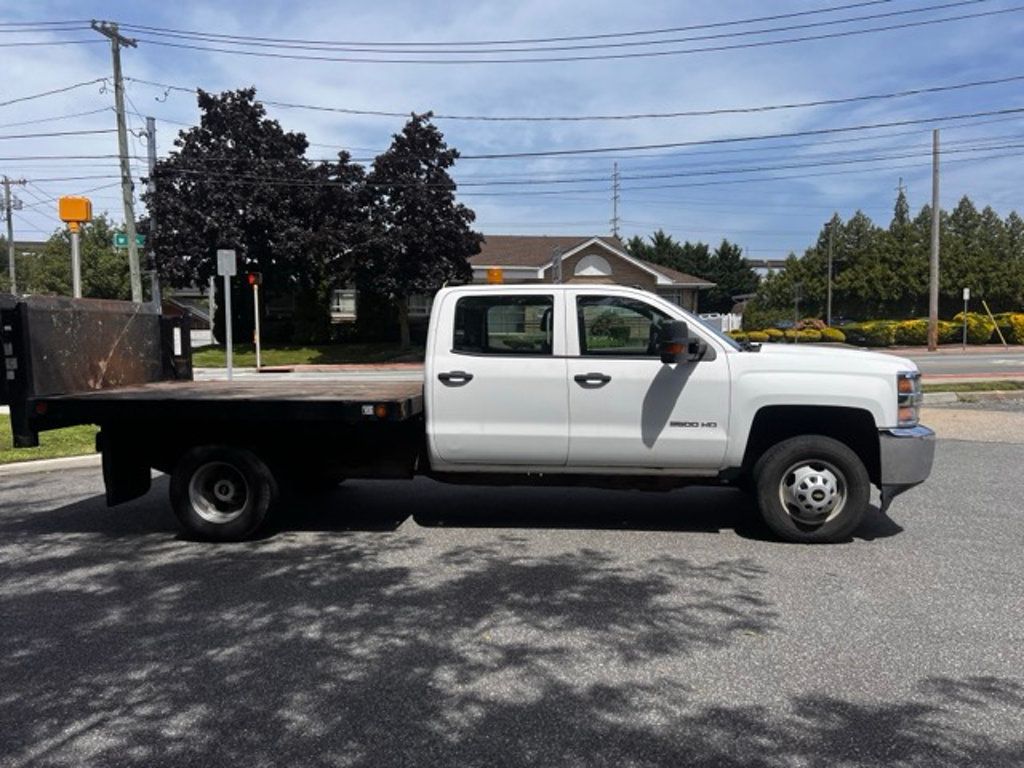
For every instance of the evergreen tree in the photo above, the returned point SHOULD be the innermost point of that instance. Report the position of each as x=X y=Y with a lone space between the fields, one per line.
x=421 y=237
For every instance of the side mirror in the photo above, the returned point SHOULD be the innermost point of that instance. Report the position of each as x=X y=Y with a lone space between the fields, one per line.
x=676 y=345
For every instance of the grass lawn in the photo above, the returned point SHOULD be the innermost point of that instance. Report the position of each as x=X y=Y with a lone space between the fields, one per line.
x=976 y=386
x=282 y=354
x=73 y=441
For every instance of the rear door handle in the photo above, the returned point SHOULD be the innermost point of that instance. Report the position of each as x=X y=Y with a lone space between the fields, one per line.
x=455 y=378
x=592 y=380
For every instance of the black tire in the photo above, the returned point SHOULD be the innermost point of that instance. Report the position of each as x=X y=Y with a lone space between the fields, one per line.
x=222 y=493
x=798 y=479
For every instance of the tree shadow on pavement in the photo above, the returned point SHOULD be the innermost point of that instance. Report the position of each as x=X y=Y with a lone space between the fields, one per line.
x=365 y=650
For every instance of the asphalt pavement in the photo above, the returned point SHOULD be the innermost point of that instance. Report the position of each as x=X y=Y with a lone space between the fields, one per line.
x=993 y=363
x=397 y=624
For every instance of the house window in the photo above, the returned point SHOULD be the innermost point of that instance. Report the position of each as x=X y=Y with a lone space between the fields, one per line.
x=592 y=266
x=420 y=304
x=343 y=304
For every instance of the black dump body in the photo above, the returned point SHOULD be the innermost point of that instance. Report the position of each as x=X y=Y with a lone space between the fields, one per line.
x=128 y=369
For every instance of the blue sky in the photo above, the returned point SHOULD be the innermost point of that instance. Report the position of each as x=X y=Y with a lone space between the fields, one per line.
x=767 y=215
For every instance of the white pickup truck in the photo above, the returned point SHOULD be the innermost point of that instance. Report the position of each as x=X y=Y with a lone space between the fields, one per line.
x=533 y=384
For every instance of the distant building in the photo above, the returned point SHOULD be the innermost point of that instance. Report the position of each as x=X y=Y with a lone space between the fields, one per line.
x=765 y=267
x=581 y=259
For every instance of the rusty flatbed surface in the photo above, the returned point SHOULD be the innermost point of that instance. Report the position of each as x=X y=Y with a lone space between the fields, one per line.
x=240 y=399
x=334 y=391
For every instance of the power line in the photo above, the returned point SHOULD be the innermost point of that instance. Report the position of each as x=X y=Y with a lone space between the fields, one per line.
x=918 y=91
x=65 y=89
x=355 y=48
x=55 y=133
x=55 y=118
x=736 y=139
x=564 y=38
x=588 y=57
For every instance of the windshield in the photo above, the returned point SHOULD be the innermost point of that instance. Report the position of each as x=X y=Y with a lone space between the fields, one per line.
x=720 y=334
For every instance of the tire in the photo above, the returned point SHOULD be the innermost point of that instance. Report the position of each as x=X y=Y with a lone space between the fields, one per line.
x=812 y=489
x=222 y=493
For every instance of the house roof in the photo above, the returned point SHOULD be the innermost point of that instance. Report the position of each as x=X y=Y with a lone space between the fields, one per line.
x=536 y=251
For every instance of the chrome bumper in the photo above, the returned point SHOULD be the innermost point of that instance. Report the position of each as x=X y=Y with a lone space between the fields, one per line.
x=906 y=458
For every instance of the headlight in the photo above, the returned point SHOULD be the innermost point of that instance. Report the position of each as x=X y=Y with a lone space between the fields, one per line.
x=909 y=397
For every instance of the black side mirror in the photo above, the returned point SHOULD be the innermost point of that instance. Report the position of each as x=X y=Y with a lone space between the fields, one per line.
x=674 y=342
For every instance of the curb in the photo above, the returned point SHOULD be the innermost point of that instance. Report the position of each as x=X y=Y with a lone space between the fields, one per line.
x=938 y=398
x=49 y=465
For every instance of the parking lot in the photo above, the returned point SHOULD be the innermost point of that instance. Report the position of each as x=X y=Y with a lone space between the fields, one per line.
x=421 y=624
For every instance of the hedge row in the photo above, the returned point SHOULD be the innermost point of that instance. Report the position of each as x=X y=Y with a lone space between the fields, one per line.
x=887 y=333
x=791 y=335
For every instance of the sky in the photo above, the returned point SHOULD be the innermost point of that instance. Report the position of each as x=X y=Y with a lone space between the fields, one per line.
x=770 y=196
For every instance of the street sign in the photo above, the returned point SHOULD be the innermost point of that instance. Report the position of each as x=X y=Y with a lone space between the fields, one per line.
x=967 y=294
x=121 y=240
x=227 y=264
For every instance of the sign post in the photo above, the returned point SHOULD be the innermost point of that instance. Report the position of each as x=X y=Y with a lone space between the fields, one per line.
x=967 y=298
x=256 y=280
x=75 y=211
x=227 y=267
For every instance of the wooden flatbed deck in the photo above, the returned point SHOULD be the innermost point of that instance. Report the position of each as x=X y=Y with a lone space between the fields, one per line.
x=349 y=401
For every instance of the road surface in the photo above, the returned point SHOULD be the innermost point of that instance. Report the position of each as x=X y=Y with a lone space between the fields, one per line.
x=397 y=624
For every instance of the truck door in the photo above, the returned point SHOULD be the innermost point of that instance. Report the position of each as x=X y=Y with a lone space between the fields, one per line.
x=627 y=408
x=497 y=380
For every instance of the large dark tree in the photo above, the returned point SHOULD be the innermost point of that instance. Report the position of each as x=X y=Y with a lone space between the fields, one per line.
x=421 y=238
x=239 y=180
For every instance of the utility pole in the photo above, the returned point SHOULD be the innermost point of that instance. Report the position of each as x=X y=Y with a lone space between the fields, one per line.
x=933 y=267
x=615 y=199
x=151 y=152
x=109 y=30
x=9 y=204
x=828 y=301
x=556 y=265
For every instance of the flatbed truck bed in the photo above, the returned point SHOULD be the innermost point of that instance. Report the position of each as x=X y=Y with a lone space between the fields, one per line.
x=345 y=401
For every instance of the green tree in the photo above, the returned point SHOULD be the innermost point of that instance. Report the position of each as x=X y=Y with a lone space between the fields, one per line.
x=732 y=275
x=104 y=269
x=420 y=237
x=239 y=180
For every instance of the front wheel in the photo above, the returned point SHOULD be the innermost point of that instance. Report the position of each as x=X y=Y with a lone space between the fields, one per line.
x=222 y=493
x=812 y=489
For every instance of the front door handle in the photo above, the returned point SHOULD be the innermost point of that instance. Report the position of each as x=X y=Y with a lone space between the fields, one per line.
x=455 y=378
x=592 y=380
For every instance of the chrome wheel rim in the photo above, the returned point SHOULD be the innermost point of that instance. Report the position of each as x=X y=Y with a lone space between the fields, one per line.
x=218 y=492
x=813 y=492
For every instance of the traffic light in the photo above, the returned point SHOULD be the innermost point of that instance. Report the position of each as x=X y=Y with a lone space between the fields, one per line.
x=255 y=278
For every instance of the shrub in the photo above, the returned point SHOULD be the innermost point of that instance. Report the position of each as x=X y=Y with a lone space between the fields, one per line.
x=979 y=328
x=1011 y=324
x=912 y=333
x=759 y=337
x=738 y=336
x=873 y=333
x=833 y=335
x=811 y=324
x=803 y=337
x=950 y=332
x=774 y=335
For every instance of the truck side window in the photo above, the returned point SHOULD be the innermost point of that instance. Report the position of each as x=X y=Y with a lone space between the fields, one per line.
x=504 y=325
x=616 y=326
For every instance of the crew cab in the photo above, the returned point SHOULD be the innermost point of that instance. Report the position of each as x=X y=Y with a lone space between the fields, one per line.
x=576 y=384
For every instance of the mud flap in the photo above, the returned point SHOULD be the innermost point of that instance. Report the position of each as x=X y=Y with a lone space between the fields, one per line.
x=124 y=477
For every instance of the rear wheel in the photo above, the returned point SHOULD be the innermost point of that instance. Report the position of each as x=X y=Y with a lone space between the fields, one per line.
x=222 y=493
x=812 y=489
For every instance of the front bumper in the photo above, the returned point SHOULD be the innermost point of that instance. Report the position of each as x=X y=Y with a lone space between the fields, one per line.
x=906 y=459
